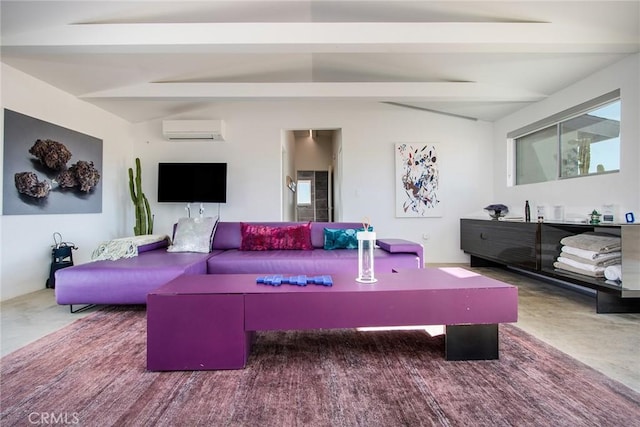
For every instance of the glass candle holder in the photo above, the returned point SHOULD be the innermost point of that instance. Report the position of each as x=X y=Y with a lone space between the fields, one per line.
x=366 y=244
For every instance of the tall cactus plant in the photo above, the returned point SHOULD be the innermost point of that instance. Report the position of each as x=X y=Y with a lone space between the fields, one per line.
x=144 y=219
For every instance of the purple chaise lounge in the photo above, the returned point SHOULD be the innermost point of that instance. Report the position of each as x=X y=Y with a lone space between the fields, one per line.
x=125 y=281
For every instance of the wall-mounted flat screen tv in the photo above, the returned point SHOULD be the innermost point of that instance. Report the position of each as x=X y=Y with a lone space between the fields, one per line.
x=192 y=182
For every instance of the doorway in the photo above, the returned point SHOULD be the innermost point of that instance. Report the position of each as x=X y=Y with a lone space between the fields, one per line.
x=312 y=159
x=312 y=201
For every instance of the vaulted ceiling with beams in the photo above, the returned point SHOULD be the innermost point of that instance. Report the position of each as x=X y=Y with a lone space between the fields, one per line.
x=143 y=60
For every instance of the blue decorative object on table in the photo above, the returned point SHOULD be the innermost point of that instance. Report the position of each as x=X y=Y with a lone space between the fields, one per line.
x=301 y=280
x=497 y=210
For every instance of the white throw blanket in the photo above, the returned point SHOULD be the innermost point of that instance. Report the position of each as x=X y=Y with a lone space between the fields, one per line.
x=125 y=247
x=562 y=266
x=590 y=257
x=582 y=266
x=596 y=242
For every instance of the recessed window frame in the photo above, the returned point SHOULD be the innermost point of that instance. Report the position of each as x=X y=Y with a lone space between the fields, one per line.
x=556 y=121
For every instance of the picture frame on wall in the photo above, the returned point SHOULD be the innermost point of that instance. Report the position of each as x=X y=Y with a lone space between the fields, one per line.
x=417 y=180
x=49 y=169
x=291 y=184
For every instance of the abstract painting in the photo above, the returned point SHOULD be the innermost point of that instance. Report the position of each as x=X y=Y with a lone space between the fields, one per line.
x=49 y=169
x=417 y=180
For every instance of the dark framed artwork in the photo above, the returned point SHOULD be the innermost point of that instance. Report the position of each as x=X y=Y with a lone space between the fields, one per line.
x=49 y=169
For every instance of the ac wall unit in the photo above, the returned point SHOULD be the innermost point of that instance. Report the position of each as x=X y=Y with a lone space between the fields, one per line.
x=175 y=130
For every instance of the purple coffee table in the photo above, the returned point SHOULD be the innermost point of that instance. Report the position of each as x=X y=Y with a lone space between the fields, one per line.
x=205 y=322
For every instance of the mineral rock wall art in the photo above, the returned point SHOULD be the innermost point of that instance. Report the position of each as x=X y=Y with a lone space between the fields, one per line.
x=39 y=177
x=51 y=153
x=28 y=183
x=82 y=175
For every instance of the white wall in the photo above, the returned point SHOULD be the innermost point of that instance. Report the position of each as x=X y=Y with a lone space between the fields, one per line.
x=288 y=172
x=580 y=196
x=26 y=240
x=313 y=154
x=369 y=131
x=337 y=175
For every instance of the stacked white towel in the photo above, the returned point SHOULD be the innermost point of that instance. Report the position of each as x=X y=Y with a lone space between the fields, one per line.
x=591 y=254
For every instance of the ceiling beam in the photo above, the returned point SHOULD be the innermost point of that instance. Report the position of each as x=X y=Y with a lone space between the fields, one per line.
x=431 y=110
x=325 y=37
x=391 y=91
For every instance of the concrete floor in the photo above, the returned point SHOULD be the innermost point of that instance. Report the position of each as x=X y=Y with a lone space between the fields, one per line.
x=563 y=318
x=567 y=320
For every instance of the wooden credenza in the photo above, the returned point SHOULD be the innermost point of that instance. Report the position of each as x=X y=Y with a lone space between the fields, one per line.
x=533 y=247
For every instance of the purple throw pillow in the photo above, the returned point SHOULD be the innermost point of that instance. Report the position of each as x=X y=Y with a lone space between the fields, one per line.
x=257 y=237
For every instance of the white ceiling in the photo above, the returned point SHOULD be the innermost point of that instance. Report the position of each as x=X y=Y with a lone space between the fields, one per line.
x=151 y=59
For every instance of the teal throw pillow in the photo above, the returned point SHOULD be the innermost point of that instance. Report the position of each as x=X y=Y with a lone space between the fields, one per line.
x=341 y=238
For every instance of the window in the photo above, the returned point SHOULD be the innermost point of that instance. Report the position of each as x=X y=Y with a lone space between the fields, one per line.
x=304 y=192
x=590 y=143
x=536 y=156
x=584 y=140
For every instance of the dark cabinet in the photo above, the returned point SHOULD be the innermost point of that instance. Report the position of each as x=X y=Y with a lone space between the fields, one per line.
x=500 y=241
x=534 y=247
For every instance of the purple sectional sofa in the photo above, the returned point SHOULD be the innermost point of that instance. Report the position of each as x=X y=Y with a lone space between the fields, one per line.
x=128 y=281
x=393 y=253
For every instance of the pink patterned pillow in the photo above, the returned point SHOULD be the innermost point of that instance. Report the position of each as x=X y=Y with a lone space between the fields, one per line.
x=263 y=238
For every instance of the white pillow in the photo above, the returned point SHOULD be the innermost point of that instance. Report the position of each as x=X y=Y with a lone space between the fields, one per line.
x=194 y=235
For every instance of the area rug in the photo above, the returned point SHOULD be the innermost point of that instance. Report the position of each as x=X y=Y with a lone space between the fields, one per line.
x=93 y=373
